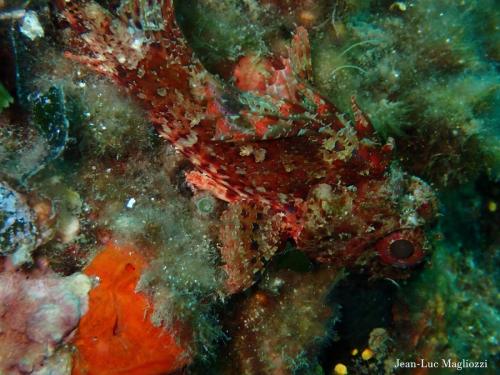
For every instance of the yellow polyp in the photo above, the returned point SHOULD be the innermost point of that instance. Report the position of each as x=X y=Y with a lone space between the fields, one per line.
x=354 y=352
x=367 y=354
x=492 y=206
x=398 y=6
x=340 y=369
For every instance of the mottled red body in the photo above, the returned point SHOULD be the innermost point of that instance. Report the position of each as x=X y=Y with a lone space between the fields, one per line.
x=271 y=145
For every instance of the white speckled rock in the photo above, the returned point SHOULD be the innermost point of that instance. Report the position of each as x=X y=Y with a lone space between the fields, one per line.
x=17 y=229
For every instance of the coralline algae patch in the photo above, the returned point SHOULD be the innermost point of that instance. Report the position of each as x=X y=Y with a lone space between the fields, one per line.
x=38 y=311
x=116 y=336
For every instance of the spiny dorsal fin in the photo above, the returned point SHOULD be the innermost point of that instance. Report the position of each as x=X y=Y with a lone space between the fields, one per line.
x=300 y=54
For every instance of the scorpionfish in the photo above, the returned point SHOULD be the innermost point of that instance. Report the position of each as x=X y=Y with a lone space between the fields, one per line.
x=290 y=165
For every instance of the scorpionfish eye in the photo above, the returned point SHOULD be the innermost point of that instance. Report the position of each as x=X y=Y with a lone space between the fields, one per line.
x=403 y=248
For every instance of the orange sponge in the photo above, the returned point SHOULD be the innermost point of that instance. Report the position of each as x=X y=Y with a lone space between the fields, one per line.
x=116 y=335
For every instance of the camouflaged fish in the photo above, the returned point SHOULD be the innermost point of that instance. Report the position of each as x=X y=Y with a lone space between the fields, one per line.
x=291 y=166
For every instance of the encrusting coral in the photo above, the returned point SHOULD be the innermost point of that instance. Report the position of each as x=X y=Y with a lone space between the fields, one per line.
x=118 y=319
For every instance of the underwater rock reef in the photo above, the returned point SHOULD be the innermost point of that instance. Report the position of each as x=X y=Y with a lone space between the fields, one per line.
x=249 y=187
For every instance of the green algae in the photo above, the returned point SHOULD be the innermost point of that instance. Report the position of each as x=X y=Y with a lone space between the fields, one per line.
x=217 y=38
x=5 y=98
x=107 y=123
x=425 y=70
